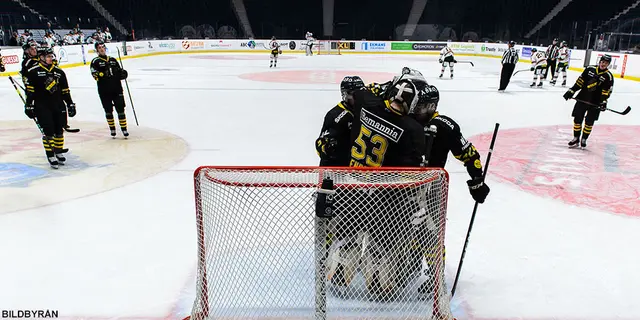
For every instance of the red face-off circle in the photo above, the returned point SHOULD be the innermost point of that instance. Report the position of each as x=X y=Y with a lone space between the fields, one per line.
x=239 y=57
x=604 y=176
x=317 y=76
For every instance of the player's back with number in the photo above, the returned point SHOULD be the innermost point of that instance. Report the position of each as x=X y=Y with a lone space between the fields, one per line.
x=382 y=135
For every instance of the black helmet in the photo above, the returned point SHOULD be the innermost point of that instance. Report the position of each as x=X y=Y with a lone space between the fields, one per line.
x=563 y=43
x=43 y=51
x=606 y=57
x=350 y=84
x=427 y=104
x=512 y=43
x=534 y=50
x=97 y=44
x=403 y=92
x=29 y=44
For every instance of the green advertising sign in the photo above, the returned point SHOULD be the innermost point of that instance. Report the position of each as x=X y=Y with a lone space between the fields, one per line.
x=401 y=45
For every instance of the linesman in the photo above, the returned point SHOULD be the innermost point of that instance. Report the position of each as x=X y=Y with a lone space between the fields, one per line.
x=509 y=60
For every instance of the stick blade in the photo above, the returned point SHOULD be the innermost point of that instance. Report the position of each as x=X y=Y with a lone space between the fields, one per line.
x=627 y=110
x=624 y=112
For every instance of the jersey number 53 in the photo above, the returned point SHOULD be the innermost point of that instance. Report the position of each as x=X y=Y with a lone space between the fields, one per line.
x=373 y=156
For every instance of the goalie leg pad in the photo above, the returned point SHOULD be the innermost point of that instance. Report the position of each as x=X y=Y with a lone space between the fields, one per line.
x=344 y=258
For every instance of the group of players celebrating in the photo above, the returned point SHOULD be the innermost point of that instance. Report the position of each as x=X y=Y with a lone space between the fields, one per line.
x=48 y=98
x=392 y=124
x=397 y=124
x=384 y=125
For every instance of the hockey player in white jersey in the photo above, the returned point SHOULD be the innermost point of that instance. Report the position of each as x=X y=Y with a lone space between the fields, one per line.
x=275 y=51
x=538 y=66
x=563 y=64
x=309 y=43
x=447 y=58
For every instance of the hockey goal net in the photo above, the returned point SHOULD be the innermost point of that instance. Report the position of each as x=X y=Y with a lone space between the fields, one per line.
x=267 y=250
x=328 y=47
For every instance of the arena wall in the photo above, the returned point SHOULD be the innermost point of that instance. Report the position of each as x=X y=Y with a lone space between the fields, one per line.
x=623 y=65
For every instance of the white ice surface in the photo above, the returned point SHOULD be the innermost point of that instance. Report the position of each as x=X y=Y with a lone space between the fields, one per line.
x=131 y=252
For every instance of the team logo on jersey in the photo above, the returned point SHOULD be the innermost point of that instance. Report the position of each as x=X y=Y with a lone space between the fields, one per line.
x=381 y=126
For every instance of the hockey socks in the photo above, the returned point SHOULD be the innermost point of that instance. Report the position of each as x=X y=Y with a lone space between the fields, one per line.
x=586 y=131
x=58 y=143
x=577 y=129
x=122 y=118
x=49 y=144
x=111 y=123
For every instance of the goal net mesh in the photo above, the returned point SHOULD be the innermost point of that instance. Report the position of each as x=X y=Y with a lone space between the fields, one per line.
x=328 y=47
x=265 y=254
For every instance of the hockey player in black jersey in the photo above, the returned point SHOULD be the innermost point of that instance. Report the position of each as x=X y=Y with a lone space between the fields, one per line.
x=442 y=135
x=109 y=75
x=595 y=85
x=334 y=144
x=382 y=133
x=448 y=138
x=47 y=93
x=29 y=58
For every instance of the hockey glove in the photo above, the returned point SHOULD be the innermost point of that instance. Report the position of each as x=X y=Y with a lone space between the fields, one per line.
x=72 y=110
x=603 y=106
x=532 y=68
x=123 y=74
x=569 y=94
x=30 y=111
x=2 y=69
x=440 y=60
x=326 y=147
x=478 y=189
x=455 y=61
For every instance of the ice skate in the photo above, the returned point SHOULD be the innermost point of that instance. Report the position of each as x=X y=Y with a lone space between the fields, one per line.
x=113 y=133
x=533 y=84
x=61 y=159
x=583 y=143
x=540 y=84
x=564 y=83
x=574 y=142
x=53 y=162
x=125 y=133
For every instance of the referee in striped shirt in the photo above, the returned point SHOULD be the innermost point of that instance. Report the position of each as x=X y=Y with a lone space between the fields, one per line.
x=552 y=58
x=509 y=60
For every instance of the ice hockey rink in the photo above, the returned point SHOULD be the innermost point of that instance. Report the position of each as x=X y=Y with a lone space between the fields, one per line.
x=113 y=235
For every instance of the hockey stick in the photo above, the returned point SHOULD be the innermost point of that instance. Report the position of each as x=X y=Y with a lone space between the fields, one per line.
x=16 y=86
x=520 y=71
x=430 y=132
x=624 y=112
x=475 y=209
x=71 y=130
x=467 y=62
x=128 y=90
